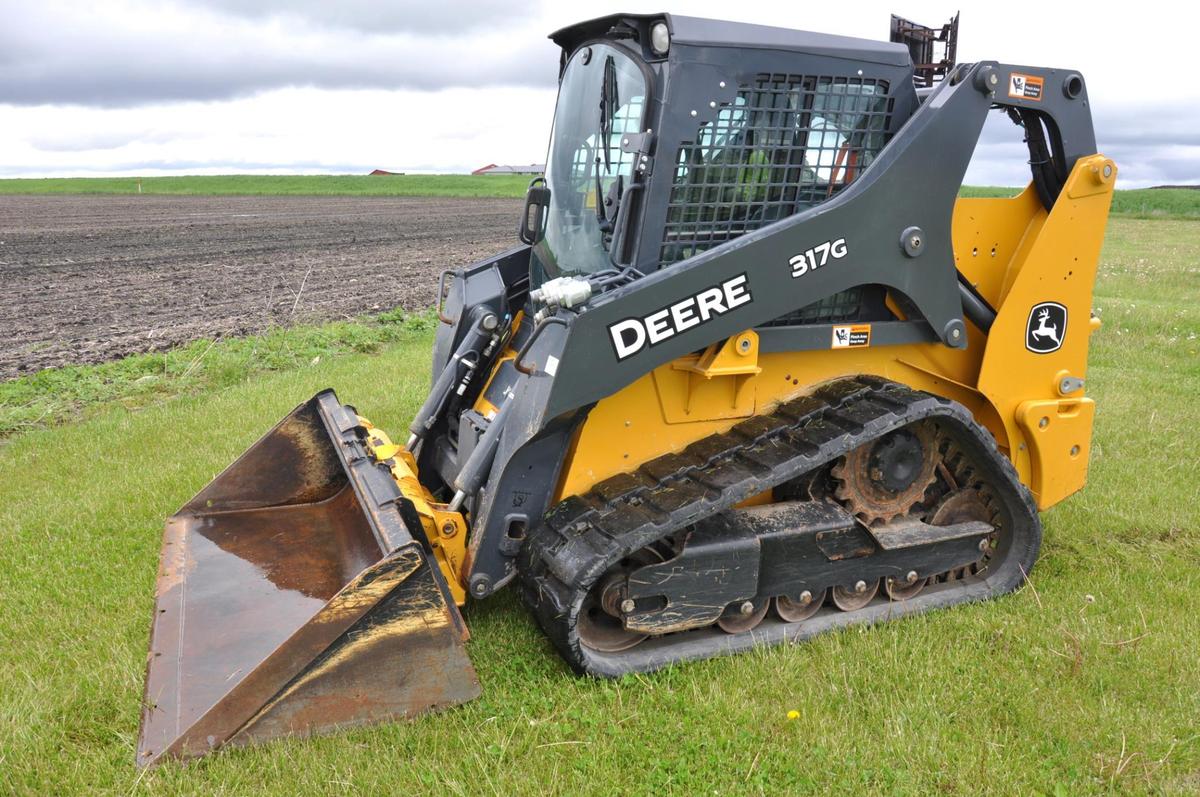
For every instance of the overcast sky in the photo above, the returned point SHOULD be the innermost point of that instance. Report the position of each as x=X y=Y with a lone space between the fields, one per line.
x=222 y=86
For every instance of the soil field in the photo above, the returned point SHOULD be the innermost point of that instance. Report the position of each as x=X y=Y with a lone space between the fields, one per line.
x=93 y=278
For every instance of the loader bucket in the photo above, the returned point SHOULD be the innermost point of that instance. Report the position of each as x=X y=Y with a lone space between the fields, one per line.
x=293 y=598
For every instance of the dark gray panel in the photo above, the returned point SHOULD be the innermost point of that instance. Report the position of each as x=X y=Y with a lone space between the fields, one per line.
x=819 y=336
x=700 y=32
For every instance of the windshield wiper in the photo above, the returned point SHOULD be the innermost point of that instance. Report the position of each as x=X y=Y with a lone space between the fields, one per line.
x=608 y=107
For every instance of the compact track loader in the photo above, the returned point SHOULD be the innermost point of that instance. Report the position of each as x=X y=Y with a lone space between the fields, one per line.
x=754 y=372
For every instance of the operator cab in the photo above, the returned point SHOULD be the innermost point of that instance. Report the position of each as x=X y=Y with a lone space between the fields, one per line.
x=673 y=135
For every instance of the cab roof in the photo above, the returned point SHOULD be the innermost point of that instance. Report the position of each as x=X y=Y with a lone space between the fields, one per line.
x=699 y=32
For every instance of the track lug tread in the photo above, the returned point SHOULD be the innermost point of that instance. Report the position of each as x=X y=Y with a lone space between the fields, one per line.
x=709 y=448
x=759 y=426
x=668 y=465
x=566 y=512
x=817 y=433
x=673 y=498
x=723 y=475
x=798 y=409
x=776 y=452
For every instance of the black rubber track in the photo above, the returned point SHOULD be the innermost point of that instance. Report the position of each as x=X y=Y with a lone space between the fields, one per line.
x=583 y=536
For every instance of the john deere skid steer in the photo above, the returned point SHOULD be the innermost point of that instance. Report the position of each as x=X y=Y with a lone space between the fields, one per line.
x=754 y=372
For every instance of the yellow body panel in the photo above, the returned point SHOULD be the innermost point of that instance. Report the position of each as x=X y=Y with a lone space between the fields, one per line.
x=1015 y=254
x=1058 y=264
x=1059 y=435
x=697 y=386
x=630 y=428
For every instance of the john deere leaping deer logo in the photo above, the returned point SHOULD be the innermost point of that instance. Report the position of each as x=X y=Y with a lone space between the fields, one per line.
x=1046 y=328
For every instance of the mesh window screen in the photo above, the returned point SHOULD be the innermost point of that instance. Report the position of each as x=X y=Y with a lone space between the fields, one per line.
x=838 y=307
x=786 y=143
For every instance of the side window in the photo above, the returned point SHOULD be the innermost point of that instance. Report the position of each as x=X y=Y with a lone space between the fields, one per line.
x=786 y=143
x=821 y=146
x=602 y=96
x=846 y=131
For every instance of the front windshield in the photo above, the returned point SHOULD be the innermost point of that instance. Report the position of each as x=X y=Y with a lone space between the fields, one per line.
x=602 y=97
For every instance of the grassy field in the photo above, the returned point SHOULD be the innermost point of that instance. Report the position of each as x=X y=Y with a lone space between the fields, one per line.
x=1085 y=682
x=55 y=395
x=1141 y=203
x=465 y=185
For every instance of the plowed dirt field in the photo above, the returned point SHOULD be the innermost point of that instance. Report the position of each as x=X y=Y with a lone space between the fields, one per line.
x=93 y=278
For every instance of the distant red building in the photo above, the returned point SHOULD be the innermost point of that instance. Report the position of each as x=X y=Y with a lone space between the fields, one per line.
x=491 y=168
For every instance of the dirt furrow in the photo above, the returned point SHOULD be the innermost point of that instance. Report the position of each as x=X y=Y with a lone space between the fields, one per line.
x=88 y=279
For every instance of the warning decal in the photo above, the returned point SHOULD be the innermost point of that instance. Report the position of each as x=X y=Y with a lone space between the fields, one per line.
x=1025 y=87
x=851 y=337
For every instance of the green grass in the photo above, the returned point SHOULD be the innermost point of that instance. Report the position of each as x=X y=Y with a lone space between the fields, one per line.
x=1138 y=203
x=462 y=185
x=1176 y=203
x=1087 y=682
x=58 y=394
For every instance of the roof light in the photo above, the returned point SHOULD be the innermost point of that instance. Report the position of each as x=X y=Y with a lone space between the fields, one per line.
x=660 y=38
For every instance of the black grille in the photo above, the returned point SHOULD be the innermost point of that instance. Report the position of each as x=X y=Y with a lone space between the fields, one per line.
x=786 y=143
x=843 y=306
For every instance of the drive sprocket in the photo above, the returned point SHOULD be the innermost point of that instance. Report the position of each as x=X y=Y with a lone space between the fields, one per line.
x=886 y=478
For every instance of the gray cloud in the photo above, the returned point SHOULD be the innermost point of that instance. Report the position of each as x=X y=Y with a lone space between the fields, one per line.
x=1140 y=169
x=130 y=54
x=226 y=166
x=373 y=16
x=74 y=141
x=1152 y=144
x=1144 y=126
x=57 y=56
